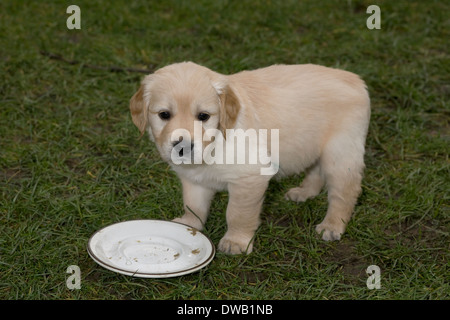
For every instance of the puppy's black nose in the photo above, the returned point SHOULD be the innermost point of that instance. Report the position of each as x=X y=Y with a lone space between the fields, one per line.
x=180 y=145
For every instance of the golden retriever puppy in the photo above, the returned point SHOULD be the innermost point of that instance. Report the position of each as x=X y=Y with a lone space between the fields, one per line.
x=290 y=118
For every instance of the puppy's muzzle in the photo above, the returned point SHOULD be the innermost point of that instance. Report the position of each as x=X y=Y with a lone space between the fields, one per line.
x=184 y=148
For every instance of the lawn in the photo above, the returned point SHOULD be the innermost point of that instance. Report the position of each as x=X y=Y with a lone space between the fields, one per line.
x=72 y=162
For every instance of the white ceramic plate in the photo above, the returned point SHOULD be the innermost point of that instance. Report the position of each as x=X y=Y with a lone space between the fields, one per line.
x=151 y=248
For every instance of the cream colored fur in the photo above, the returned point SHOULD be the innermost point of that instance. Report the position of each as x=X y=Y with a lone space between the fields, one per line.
x=322 y=115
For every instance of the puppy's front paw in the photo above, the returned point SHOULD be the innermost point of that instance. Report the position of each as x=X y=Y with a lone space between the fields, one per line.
x=193 y=222
x=330 y=231
x=235 y=245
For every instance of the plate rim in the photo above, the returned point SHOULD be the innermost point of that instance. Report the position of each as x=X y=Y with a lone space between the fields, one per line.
x=149 y=274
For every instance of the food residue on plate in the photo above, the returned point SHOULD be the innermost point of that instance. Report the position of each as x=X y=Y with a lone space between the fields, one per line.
x=193 y=231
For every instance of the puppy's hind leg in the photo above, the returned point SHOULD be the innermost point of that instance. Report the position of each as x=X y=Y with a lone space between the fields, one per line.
x=342 y=165
x=310 y=187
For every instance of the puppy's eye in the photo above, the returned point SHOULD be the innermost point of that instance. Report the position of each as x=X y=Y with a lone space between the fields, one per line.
x=164 y=115
x=203 y=116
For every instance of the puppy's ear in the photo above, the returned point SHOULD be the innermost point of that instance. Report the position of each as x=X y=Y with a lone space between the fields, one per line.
x=230 y=106
x=139 y=110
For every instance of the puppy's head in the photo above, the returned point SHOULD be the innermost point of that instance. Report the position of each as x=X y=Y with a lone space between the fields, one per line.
x=170 y=102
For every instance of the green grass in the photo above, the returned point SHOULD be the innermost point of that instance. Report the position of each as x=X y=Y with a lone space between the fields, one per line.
x=71 y=161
